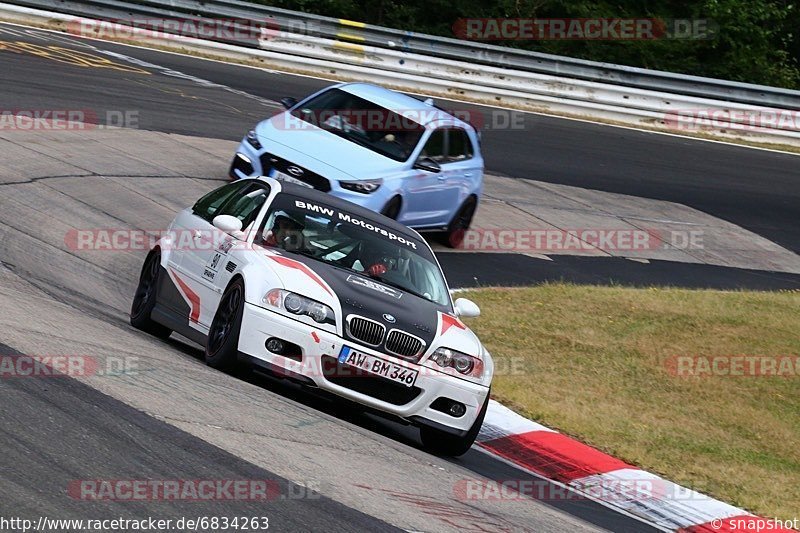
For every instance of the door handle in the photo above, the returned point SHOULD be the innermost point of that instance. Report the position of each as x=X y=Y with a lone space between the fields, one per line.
x=198 y=234
x=441 y=177
x=468 y=174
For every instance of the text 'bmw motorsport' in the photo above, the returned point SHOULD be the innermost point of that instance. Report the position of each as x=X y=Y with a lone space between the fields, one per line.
x=358 y=222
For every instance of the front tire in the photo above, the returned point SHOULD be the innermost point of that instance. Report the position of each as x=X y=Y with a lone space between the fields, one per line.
x=222 y=344
x=454 y=235
x=439 y=442
x=144 y=300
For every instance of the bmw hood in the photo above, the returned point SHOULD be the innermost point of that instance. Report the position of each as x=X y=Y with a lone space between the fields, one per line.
x=321 y=151
x=364 y=297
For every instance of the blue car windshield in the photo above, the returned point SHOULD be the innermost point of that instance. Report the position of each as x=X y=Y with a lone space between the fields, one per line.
x=362 y=122
x=399 y=260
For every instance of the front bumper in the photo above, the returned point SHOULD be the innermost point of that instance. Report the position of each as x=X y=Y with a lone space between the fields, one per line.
x=247 y=164
x=317 y=346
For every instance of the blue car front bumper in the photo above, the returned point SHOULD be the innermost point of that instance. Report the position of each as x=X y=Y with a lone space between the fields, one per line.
x=249 y=162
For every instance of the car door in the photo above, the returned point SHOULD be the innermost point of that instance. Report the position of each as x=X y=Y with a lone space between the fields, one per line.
x=207 y=264
x=428 y=194
x=434 y=197
x=192 y=230
x=464 y=169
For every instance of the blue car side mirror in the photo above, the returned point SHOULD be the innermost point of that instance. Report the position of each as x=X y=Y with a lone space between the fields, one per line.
x=428 y=165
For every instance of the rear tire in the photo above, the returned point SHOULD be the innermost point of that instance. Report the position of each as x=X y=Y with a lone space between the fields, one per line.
x=144 y=300
x=439 y=442
x=392 y=208
x=454 y=235
x=222 y=344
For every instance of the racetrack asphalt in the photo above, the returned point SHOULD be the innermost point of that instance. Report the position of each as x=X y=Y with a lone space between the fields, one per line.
x=756 y=189
x=60 y=299
x=204 y=423
x=58 y=432
x=178 y=94
x=517 y=270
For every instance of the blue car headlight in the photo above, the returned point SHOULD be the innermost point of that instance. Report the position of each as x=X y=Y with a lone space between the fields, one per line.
x=362 y=186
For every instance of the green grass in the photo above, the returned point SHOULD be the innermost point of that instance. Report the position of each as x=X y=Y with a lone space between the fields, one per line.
x=592 y=362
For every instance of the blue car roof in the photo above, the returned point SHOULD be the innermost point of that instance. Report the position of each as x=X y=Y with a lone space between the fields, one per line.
x=399 y=102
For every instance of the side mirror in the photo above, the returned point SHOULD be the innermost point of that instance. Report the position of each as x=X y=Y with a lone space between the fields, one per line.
x=227 y=223
x=428 y=165
x=467 y=308
x=288 y=102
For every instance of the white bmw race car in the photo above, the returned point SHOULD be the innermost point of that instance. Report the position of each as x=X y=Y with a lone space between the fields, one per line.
x=322 y=291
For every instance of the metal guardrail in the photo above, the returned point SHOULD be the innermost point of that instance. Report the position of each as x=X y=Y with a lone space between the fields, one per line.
x=431 y=46
x=336 y=49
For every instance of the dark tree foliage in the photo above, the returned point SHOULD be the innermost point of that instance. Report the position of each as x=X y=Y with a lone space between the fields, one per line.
x=756 y=41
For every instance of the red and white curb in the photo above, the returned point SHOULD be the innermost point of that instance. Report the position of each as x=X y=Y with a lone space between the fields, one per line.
x=600 y=477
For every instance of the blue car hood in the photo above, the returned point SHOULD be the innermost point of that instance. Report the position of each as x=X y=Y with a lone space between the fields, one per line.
x=323 y=152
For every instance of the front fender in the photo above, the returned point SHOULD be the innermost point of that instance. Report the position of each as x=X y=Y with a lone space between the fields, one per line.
x=258 y=280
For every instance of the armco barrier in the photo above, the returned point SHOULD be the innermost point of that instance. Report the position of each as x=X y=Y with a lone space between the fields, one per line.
x=442 y=47
x=505 y=77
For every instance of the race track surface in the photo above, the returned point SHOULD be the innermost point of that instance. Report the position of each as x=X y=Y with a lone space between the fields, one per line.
x=756 y=189
x=520 y=270
x=62 y=432
x=169 y=416
x=60 y=299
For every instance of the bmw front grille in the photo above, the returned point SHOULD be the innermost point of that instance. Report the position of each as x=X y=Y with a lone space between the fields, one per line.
x=365 y=330
x=404 y=344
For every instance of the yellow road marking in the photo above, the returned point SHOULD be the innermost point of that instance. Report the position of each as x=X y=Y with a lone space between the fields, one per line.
x=68 y=56
x=175 y=91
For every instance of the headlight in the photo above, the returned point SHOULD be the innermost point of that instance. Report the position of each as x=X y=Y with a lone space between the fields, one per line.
x=300 y=305
x=363 y=186
x=252 y=140
x=461 y=362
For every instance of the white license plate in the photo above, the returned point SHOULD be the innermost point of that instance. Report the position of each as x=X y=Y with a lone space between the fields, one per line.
x=278 y=175
x=378 y=366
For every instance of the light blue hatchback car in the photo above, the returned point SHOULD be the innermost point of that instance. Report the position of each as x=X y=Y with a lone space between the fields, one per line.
x=389 y=152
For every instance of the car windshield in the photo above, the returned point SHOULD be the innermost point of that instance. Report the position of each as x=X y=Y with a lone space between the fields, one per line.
x=357 y=244
x=362 y=122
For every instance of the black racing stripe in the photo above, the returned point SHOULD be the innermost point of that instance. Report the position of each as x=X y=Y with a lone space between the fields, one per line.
x=412 y=314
